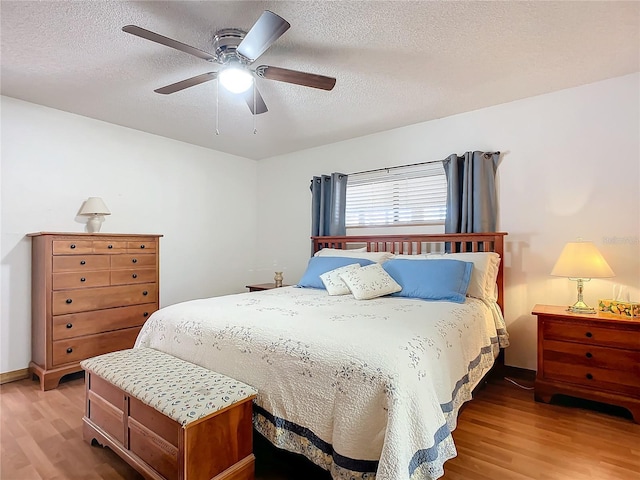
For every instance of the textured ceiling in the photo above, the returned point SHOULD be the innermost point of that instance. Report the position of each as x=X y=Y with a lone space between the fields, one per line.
x=396 y=62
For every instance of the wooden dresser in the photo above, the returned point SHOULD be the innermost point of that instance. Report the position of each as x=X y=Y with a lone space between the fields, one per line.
x=592 y=356
x=91 y=293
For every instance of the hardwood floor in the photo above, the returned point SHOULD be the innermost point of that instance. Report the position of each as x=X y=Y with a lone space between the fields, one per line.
x=501 y=434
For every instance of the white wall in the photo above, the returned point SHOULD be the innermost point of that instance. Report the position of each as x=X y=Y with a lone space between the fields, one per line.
x=202 y=201
x=571 y=167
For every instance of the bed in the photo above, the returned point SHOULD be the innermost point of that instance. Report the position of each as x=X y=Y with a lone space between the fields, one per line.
x=366 y=389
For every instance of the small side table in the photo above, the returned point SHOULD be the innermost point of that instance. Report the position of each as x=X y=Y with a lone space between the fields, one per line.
x=262 y=286
x=596 y=357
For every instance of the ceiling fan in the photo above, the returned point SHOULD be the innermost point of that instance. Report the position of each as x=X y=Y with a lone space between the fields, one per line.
x=236 y=50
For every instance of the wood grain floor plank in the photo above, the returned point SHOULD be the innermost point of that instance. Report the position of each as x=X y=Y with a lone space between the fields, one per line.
x=501 y=434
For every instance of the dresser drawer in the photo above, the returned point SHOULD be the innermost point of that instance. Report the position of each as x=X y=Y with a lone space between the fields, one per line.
x=78 y=348
x=72 y=247
x=99 y=298
x=88 y=323
x=140 y=275
x=146 y=245
x=133 y=260
x=574 y=332
x=62 y=281
x=107 y=246
x=80 y=263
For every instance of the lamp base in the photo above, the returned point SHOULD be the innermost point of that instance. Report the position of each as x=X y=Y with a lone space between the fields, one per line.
x=581 y=307
x=94 y=223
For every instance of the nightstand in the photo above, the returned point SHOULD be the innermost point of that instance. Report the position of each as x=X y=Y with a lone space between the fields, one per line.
x=596 y=357
x=262 y=286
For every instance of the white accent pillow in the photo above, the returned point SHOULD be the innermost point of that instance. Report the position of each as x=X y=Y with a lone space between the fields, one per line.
x=484 y=274
x=369 y=282
x=378 y=257
x=333 y=283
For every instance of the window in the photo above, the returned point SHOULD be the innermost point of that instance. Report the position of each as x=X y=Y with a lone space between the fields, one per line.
x=407 y=195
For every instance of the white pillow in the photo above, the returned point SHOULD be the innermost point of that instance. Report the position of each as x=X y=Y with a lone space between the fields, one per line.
x=326 y=252
x=484 y=274
x=333 y=283
x=370 y=282
x=419 y=256
x=378 y=257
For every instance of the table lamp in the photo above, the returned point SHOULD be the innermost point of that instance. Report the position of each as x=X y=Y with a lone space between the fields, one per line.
x=94 y=208
x=581 y=261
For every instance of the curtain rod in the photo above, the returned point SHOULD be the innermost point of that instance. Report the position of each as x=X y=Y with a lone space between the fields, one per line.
x=401 y=166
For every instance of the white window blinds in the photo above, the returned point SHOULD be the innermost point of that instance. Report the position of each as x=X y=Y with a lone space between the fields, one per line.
x=407 y=195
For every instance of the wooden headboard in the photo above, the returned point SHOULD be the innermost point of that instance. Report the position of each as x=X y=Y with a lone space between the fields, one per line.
x=425 y=243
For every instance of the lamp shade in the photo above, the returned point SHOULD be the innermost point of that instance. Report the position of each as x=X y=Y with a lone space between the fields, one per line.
x=581 y=260
x=94 y=206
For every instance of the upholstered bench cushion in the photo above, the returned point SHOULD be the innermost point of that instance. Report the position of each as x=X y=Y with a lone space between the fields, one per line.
x=178 y=389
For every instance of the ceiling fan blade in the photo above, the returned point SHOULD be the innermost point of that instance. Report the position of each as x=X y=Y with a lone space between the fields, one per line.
x=169 y=42
x=189 y=82
x=260 y=106
x=264 y=32
x=294 y=76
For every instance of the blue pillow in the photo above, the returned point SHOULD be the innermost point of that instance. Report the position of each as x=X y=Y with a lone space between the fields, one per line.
x=431 y=279
x=319 y=265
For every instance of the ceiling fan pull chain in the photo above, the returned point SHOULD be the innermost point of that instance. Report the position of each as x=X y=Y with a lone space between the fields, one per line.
x=217 y=108
x=255 y=130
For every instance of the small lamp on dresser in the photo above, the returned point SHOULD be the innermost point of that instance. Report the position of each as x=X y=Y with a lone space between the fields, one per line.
x=581 y=261
x=95 y=209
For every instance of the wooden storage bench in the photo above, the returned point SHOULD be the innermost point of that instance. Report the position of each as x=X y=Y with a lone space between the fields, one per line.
x=168 y=418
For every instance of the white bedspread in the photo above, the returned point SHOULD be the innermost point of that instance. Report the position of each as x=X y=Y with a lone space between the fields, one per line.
x=365 y=389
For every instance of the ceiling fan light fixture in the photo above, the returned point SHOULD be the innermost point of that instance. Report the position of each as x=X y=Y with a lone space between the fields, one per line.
x=236 y=79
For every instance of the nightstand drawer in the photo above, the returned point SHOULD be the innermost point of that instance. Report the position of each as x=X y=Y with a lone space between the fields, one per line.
x=575 y=332
x=593 y=356
x=607 y=379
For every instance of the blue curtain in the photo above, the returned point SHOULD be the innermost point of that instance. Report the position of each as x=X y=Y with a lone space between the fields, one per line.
x=328 y=200
x=472 y=203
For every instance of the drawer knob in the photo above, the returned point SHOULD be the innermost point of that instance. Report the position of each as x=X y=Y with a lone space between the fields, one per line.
x=69 y=350
x=145 y=314
x=110 y=246
x=589 y=355
x=588 y=334
x=82 y=279
x=141 y=246
x=82 y=262
x=145 y=293
x=69 y=325
x=589 y=376
x=135 y=275
x=69 y=300
x=73 y=245
x=135 y=260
